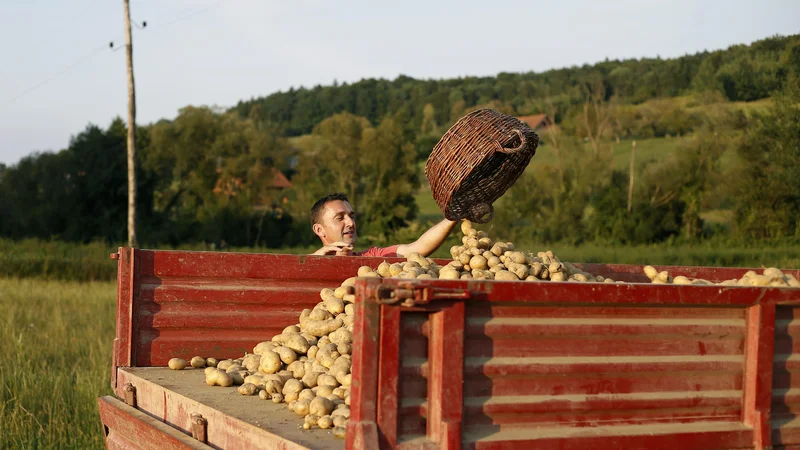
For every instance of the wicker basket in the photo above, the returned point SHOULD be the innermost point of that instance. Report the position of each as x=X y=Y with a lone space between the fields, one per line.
x=476 y=161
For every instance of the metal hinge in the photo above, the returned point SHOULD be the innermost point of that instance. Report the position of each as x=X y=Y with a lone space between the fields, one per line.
x=410 y=295
x=129 y=391
x=199 y=427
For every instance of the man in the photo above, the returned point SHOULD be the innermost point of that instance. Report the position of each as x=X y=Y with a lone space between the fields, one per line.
x=334 y=222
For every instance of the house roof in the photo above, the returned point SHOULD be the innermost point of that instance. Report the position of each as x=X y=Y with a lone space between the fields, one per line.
x=536 y=121
x=279 y=180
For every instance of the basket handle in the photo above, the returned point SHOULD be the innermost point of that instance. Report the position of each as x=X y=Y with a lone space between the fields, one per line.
x=522 y=144
x=480 y=212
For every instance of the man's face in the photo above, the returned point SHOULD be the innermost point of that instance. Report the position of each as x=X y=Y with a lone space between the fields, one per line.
x=338 y=223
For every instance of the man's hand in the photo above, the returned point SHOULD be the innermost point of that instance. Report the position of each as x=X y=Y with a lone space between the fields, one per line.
x=337 y=248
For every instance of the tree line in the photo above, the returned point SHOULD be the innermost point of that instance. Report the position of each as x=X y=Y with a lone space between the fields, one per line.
x=208 y=175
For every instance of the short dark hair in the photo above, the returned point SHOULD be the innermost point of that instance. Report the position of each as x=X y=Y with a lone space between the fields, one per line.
x=316 y=210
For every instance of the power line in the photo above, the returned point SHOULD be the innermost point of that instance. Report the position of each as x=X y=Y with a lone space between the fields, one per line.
x=98 y=50
x=53 y=77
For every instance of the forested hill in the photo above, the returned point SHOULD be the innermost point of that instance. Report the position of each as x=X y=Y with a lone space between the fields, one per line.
x=740 y=73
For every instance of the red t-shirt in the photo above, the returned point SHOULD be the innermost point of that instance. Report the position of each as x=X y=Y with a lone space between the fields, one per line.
x=381 y=252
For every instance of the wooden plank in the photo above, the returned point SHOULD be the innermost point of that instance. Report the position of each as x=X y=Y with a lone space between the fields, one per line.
x=233 y=421
x=759 y=355
x=127 y=427
x=362 y=428
x=388 y=372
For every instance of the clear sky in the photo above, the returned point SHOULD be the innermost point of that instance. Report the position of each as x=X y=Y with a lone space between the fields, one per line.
x=57 y=73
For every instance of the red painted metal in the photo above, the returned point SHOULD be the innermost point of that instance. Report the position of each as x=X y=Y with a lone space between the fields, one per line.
x=759 y=360
x=362 y=428
x=445 y=385
x=514 y=365
x=388 y=372
x=124 y=329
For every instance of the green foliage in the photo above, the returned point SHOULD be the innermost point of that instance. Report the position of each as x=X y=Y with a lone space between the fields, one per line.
x=43 y=194
x=766 y=184
x=54 y=362
x=741 y=72
x=374 y=166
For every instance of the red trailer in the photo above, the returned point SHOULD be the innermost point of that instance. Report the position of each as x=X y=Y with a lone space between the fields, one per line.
x=461 y=364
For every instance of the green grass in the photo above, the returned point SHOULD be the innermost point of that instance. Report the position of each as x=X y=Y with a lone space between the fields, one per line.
x=55 y=361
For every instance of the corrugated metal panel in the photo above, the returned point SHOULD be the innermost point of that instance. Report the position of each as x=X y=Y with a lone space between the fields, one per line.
x=413 y=379
x=601 y=366
x=786 y=377
x=222 y=304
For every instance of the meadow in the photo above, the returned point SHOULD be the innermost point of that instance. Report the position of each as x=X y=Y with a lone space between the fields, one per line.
x=55 y=360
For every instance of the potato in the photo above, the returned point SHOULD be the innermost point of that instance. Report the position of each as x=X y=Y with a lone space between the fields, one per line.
x=339 y=422
x=277 y=398
x=478 y=262
x=198 y=362
x=211 y=362
x=297 y=343
x=220 y=378
x=581 y=277
x=466 y=225
x=773 y=272
x=318 y=327
x=363 y=270
x=505 y=275
x=307 y=394
x=384 y=269
x=237 y=377
x=651 y=272
x=333 y=304
x=321 y=406
x=301 y=407
x=263 y=395
x=310 y=378
x=519 y=257
x=251 y=362
x=344 y=412
x=270 y=362
x=325 y=422
x=247 y=389
x=465 y=257
x=259 y=349
x=177 y=364
x=448 y=273
x=287 y=355
x=680 y=279
x=558 y=276
x=341 y=336
x=327 y=380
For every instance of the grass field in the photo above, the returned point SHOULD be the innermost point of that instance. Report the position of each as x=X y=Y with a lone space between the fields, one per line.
x=55 y=360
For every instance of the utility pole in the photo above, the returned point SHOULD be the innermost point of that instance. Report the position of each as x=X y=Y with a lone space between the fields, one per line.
x=631 y=170
x=131 y=129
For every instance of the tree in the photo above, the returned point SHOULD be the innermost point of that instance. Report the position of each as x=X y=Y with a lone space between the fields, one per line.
x=214 y=170
x=765 y=184
x=374 y=166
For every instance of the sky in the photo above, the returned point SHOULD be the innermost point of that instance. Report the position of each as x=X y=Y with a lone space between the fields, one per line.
x=59 y=75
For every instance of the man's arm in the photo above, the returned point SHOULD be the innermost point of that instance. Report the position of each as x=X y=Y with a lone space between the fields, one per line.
x=429 y=241
x=337 y=248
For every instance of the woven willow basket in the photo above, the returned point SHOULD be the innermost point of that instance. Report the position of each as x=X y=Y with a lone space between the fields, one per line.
x=476 y=161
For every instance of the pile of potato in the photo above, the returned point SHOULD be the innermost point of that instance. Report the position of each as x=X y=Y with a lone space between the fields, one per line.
x=770 y=277
x=307 y=366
